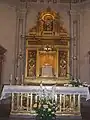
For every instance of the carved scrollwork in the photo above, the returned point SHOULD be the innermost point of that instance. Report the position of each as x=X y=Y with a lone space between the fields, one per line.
x=31 y=63
x=63 y=55
x=48 y=21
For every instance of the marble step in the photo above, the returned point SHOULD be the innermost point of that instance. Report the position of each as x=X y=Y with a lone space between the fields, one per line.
x=26 y=117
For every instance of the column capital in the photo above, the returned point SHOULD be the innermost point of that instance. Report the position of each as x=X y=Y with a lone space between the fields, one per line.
x=73 y=12
x=21 y=10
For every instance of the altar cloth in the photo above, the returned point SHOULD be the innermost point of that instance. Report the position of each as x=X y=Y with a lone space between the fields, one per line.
x=8 y=89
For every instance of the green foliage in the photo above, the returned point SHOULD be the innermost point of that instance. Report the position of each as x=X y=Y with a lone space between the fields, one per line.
x=75 y=83
x=46 y=109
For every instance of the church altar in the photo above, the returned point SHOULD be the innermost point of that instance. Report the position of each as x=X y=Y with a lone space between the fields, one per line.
x=36 y=89
x=24 y=98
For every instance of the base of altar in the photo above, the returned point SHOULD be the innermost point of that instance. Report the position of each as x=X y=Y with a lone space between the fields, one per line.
x=46 y=80
x=33 y=117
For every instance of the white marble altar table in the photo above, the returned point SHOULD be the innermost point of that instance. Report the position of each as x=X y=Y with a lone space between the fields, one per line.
x=8 y=89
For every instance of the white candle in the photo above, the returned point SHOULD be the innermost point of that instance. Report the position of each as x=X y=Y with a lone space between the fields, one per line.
x=16 y=80
x=10 y=79
x=22 y=79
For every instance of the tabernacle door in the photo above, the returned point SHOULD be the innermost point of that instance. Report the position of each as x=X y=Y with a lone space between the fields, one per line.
x=47 y=63
x=47 y=71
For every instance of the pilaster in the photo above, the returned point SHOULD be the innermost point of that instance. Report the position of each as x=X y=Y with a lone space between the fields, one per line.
x=57 y=64
x=20 y=45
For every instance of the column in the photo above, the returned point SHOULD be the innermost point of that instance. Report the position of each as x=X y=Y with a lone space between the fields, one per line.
x=20 y=45
x=89 y=65
x=17 y=46
x=37 y=67
x=76 y=46
x=57 y=64
x=74 y=43
x=23 y=37
x=70 y=42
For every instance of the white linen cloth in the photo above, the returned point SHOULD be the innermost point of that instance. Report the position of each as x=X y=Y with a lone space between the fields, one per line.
x=8 y=89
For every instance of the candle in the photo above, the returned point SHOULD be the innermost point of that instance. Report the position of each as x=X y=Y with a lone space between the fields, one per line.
x=22 y=79
x=16 y=80
x=10 y=79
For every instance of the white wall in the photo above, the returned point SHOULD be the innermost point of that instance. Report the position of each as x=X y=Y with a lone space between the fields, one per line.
x=7 y=38
x=84 y=44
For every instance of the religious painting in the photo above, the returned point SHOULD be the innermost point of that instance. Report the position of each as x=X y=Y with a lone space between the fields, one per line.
x=31 y=63
x=48 y=23
x=63 y=63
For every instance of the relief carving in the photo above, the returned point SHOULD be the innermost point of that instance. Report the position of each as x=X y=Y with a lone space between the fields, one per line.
x=62 y=63
x=31 y=65
x=49 y=21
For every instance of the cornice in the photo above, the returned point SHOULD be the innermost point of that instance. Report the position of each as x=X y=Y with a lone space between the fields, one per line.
x=46 y=1
x=82 y=6
x=77 y=8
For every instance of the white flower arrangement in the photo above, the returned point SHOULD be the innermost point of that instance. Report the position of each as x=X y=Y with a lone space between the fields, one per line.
x=46 y=106
x=46 y=110
x=76 y=83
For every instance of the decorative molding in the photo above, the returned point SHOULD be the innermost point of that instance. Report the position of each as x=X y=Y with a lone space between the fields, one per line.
x=55 y=1
x=49 y=23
